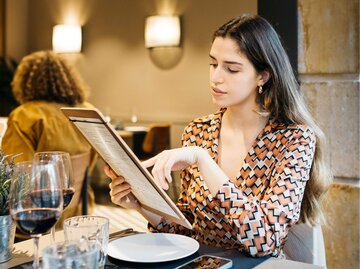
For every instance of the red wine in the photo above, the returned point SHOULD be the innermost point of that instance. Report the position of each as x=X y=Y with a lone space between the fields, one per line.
x=46 y=198
x=34 y=221
x=68 y=194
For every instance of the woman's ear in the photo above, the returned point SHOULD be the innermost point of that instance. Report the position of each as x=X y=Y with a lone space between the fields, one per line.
x=264 y=76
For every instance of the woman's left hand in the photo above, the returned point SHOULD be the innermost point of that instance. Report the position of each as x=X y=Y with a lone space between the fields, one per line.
x=172 y=160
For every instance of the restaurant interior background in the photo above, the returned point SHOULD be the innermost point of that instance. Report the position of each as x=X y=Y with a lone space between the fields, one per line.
x=126 y=78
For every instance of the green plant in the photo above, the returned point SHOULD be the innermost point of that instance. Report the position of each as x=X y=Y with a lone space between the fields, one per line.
x=6 y=170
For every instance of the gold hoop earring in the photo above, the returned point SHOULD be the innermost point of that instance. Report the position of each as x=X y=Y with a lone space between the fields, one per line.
x=260 y=89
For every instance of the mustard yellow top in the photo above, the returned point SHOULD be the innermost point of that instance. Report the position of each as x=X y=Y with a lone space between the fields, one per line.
x=41 y=126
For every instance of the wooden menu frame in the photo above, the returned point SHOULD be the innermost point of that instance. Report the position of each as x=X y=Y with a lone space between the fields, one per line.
x=117 y=154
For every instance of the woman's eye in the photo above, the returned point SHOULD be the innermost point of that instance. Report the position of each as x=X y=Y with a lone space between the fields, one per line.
x=232 y=70
x=213 y=65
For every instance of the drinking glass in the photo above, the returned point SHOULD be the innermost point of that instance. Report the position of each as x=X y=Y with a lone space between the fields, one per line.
x=92 y=228
x=36 y=199
x=80 y=254
x=66 y=176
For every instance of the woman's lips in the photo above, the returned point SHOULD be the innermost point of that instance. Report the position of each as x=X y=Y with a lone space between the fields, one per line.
x=217 y=92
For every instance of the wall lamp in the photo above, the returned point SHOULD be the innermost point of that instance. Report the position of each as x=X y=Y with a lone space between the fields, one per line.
x=162 y=31
x=66 y=38
x=162 y=38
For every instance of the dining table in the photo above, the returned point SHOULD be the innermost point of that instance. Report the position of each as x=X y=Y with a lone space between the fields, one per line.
x=23 y=251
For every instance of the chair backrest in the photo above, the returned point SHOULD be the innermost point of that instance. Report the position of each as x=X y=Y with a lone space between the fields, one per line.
x=157 y=139
x=80 y=164
x=305 y=244
x=78 y=205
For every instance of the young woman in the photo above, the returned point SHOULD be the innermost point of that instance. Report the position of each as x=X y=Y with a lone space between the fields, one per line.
x=255 y=167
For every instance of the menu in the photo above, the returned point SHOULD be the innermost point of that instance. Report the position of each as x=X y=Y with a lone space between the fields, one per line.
x=116 y=153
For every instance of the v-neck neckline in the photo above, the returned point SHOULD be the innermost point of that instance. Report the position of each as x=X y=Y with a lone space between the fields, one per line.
x=218 y=122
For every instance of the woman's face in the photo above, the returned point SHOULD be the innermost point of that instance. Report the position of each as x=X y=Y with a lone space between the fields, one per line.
x=233 y=78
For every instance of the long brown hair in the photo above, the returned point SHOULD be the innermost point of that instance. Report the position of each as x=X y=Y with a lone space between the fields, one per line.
x=44 y=75
x=281 y=98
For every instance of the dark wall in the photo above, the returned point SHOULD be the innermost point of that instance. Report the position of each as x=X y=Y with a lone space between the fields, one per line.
x=283 y=16
x=7 y=68
x=7 y=101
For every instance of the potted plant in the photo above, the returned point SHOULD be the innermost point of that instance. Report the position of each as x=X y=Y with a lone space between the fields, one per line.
x=7 y=226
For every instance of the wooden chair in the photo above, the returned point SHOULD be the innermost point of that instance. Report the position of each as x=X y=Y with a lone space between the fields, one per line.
x=156 y=140
x=305 y=244
x=80 y=166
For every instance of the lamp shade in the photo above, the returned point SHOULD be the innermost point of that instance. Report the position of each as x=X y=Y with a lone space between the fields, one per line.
x=162 y=31
x=66 y=38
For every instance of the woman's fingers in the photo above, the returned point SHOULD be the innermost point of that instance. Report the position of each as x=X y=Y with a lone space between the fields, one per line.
x=156 y=161
x=120 y=190
x=119 y=197
x=163 y=164
x=172 y=160
x=149 y=162
x=162 y=169
x=109 y=172
x=118 y=185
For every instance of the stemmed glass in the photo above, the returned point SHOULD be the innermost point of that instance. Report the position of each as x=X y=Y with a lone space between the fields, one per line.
x=36 y=199
x=66 y=176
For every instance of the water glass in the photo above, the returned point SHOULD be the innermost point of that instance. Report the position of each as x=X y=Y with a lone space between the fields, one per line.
x=92 y=228
x=71 y=255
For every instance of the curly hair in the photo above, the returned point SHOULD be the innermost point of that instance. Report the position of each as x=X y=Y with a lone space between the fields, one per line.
x=44 y=75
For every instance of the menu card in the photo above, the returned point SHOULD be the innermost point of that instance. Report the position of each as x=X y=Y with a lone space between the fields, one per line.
x=116 y=153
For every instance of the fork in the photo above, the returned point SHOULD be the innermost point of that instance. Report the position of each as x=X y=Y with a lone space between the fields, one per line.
x=122 y=233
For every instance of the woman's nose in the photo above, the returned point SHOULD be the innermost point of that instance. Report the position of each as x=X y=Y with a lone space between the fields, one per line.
x=216 y=75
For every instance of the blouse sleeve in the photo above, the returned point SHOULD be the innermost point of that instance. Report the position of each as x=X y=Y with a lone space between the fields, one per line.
x=262 y=226
x=20 y=136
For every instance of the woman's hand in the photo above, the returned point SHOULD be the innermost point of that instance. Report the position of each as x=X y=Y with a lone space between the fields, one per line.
x=120 y=191
x=172 y=160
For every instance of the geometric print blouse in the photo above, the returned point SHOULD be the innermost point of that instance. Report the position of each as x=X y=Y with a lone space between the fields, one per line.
x=254 y=211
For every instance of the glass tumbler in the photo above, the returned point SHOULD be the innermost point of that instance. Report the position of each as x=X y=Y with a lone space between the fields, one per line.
x=92 y=228
x=71 y=255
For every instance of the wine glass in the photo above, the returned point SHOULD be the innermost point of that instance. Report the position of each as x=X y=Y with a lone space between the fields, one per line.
x=36 y=199
x=66 y=176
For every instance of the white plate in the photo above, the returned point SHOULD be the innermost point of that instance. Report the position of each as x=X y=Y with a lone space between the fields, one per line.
x=152 y=247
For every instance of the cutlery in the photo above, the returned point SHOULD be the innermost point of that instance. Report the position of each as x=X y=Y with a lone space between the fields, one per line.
x=122 y=233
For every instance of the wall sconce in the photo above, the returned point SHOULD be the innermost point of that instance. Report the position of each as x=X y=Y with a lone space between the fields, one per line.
x=162 y=38
x=66 y=38
x=162 y=31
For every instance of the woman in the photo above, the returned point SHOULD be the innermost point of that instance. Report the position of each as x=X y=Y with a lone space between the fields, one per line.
x=250 y=170
x=43 y=83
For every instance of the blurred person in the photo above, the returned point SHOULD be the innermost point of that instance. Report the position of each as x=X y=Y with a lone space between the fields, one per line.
x=43 y=83
x=255 y=167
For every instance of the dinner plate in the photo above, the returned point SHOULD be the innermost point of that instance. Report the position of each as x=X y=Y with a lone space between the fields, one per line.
x=152 y=247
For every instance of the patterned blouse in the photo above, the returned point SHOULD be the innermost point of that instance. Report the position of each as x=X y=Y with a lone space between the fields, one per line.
x=254 y=211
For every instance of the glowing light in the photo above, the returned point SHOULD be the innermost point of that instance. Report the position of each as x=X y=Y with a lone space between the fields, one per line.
x=162 y=31
x=66 y=38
